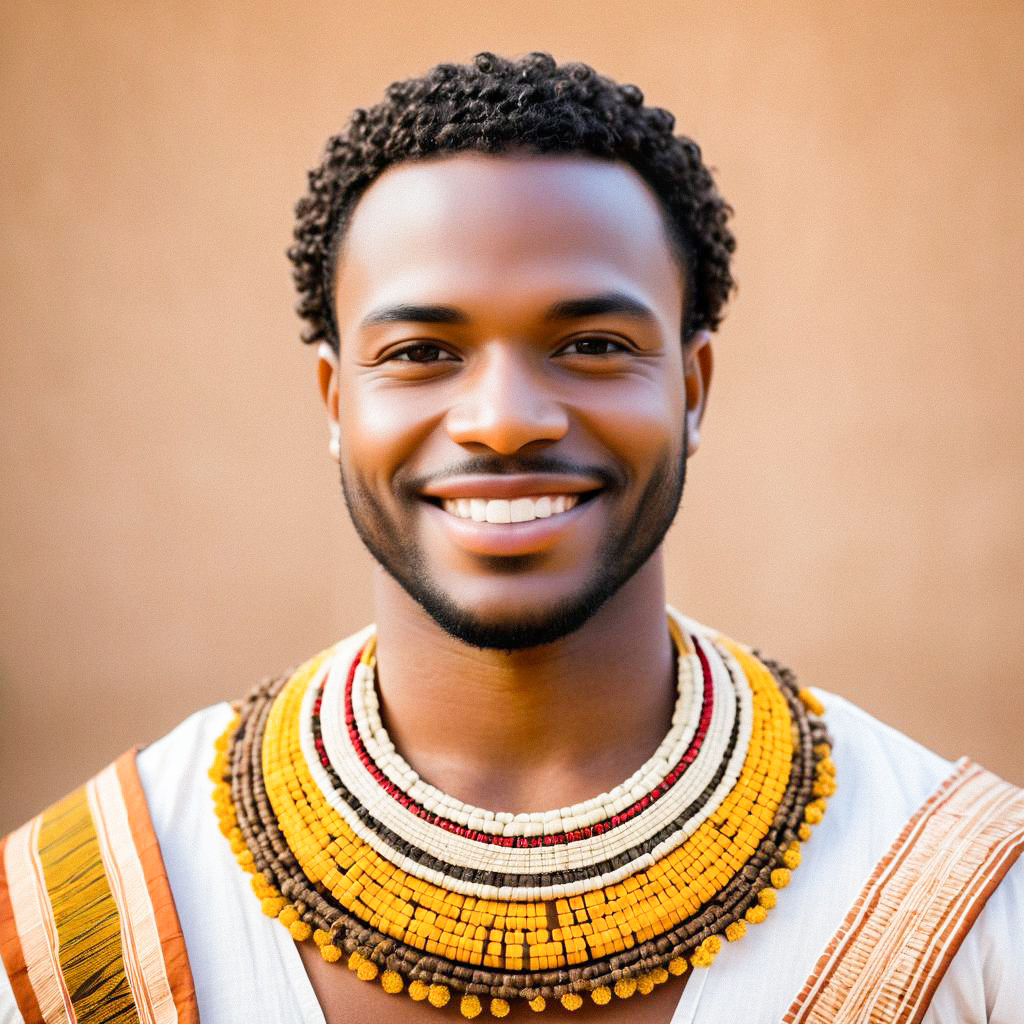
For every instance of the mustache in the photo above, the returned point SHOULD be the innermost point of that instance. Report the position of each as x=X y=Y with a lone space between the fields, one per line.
x=506 y=465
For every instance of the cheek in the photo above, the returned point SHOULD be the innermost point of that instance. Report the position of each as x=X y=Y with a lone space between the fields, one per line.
x=381 y=429
x=641 y=423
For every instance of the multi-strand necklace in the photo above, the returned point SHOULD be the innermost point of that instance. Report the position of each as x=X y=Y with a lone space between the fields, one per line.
x=604 y=899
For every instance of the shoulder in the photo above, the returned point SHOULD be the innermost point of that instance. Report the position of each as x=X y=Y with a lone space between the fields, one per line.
x=885 y=778
x=879 y=764
x=173 y=770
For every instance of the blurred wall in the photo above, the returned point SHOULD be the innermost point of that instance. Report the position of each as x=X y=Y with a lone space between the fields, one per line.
x=171 y=528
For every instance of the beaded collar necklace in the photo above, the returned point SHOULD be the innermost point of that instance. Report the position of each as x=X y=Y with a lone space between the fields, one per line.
x=349 y=846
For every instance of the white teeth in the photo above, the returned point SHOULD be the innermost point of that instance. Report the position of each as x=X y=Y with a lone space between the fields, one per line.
x=515 y=510
x=521 y=510
x=499 y=511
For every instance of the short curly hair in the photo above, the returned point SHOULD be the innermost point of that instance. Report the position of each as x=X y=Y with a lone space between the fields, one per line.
x=530 y=104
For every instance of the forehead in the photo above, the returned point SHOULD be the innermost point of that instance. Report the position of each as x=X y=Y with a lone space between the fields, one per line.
x=511 y=228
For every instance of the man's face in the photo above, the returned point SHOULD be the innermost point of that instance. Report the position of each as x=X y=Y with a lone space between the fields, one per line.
x=510 y=349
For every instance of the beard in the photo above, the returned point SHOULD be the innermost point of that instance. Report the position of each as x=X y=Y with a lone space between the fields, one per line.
x=625 y=549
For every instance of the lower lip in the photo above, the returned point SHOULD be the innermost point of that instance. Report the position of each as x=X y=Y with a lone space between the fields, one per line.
x=509 y=538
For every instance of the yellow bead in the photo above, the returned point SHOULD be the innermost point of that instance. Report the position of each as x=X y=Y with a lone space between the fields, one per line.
x=602 y=995
x=418 y=990
x=702 y=958
x=300 y=931
x=391 y=982
x=735 y=931
x=571 y=1001
x=537 y=1004
x=713 y=944
x=677 y=965
x=469 y=1007
x=659 y=975
x=366 y=971
x=438 y=995
x=767 y=898
x=780 y=878
x=500 y=1008
x=330 y=952
x=813 y=815
x=756 y=915
x=272 y=906
x=645 y=984
x=320 y=937
x=804 y=831
x=625 y=987
x=791 y=858
x=812 y=703
x=288 y=915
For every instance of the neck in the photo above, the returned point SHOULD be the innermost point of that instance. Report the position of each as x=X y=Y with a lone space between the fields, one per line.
x=534 y=729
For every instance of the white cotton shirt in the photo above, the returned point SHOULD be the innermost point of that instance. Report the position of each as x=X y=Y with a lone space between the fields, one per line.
x=247 y=967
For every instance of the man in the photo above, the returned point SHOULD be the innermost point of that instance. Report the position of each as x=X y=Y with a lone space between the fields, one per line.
x=529 y=788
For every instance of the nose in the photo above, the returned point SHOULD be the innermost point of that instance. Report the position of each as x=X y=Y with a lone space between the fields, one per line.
x=507 y=405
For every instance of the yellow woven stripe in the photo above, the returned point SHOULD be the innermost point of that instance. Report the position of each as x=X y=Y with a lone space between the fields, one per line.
x=88 y=925
x=546 y=934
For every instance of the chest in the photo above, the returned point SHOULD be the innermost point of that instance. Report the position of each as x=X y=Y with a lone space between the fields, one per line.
x=344 y=999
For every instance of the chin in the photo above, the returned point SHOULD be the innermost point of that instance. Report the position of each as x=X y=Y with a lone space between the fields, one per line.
x=501 y=623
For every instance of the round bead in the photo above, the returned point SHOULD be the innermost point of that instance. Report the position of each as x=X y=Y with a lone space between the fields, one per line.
x=300 y=931
x=272 y=906
x=756 y=915
x=391 y=982
x=601 y=995
x=571 y=1001
x=418 y=990
x=438 y=995
x=677 y=965
x=537 y=1004
x=500 y=1008
x=780 y=878
x=625 y=987
x=469 y=1007
x=645 y=984
x=330 y=952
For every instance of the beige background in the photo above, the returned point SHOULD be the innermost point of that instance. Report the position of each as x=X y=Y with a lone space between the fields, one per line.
x=171 y=528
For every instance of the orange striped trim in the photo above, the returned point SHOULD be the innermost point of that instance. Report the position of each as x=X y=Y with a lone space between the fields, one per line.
x=889 y=955
x=88 y=929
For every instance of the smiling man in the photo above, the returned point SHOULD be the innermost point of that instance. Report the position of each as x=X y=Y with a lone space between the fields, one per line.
x=530 y=787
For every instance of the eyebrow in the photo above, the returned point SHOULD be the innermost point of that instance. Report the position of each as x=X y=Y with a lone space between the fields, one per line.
x=604 y=304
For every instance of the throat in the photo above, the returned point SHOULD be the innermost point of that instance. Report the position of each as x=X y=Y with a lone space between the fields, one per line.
x=533 y=729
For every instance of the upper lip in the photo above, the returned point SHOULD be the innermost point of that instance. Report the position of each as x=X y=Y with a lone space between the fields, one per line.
x=518 y=485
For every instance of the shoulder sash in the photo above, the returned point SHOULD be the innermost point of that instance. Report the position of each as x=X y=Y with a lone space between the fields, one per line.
x=88 y=929
x=889 y=955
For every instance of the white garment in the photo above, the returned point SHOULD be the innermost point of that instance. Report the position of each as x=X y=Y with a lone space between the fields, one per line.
x=246 y=966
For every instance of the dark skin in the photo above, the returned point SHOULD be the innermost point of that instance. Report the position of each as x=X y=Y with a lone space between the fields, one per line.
x=513 y=367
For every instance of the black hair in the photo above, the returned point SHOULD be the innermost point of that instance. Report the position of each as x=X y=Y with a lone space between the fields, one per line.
x=531 y=104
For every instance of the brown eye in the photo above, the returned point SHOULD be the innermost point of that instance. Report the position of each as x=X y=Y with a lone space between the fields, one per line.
x=423 y=352
x=593 y=346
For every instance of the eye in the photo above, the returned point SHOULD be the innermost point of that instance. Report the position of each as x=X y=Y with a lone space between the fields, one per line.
x=423 y=352
x=594 y=345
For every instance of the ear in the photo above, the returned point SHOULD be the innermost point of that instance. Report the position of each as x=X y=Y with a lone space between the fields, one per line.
x=698 y=364
x=327 y=376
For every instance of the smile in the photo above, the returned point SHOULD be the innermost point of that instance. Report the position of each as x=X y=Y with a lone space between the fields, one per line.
x=514 y=510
